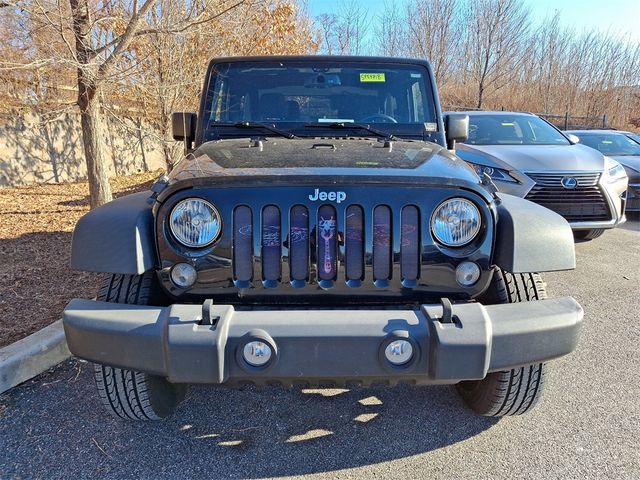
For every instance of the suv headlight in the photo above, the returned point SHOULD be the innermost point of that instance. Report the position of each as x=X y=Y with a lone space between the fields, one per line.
x=195 y=222
x=455 y=222
x=613 y=171
x=494 y=173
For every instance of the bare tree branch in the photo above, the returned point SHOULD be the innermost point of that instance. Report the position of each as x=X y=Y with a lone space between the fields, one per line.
x=181 y=29
x=127 y=36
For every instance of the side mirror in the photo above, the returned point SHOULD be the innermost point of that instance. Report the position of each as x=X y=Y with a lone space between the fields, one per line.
x=183 y=127
x=573 y=138
x=456 y=127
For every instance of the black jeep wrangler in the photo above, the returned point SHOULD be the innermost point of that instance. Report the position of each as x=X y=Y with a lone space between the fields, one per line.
x=321 y=231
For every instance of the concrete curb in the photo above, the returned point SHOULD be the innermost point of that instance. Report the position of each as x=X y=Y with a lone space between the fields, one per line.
x=26 y=358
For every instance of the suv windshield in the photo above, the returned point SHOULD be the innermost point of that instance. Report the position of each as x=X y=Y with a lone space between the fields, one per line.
x=633 y=136
x=296 y=96
x=506 y=129
x=610 y=143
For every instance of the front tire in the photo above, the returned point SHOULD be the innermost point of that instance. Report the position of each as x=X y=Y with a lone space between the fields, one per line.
x=515 y=391
x=135 y=395
x=126 y=393
x=586 y=235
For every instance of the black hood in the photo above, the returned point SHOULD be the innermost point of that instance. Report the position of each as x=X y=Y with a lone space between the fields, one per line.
x=325 y=157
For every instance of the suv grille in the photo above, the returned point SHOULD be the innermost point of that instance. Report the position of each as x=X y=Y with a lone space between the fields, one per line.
x=314 y=243
x=583 y=203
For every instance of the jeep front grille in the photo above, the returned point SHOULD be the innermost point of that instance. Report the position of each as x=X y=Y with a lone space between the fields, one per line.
x=322 y=247
x=583 y=203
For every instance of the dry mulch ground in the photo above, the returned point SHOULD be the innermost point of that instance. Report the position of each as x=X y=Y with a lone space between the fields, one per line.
x=36 y=223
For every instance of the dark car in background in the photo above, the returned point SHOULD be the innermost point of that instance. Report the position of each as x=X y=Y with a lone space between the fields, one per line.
x=633 y=136
x=623 y=147
x=527 y=156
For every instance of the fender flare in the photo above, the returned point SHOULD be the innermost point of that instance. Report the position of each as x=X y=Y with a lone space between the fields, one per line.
x=531 y=238
x=117 y=237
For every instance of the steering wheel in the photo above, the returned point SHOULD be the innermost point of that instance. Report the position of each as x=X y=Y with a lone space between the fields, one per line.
x=379 y=118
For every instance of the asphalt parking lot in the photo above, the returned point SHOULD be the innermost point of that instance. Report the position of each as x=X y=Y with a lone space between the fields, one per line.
x=587 y=425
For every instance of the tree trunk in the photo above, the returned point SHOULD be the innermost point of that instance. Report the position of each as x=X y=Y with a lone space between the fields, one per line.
x=94 y=146
x=145 y=165
x=89 y=103
x=480 y=95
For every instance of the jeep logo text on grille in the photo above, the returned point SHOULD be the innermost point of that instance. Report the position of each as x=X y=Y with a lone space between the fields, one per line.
x=331 y=196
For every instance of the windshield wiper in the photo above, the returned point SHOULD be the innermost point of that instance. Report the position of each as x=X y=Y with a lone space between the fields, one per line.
x=264 y=126
x=357 y=126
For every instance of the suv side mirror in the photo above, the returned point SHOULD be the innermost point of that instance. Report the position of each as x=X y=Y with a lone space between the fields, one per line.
x=573 y=138
x=456 y=126
x=183 y=127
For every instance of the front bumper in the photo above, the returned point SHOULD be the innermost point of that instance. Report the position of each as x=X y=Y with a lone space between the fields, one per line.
x=593 y=225
x=321 y=346
x=613 y=194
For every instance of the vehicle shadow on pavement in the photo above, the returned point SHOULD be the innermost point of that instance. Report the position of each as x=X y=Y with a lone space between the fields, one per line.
x=224 y=433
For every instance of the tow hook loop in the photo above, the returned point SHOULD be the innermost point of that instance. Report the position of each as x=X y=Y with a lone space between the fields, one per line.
x=207 y=317
x=447 y=311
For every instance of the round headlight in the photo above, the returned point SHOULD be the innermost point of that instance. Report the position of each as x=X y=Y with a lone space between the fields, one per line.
x=195 y=222
x=455 y=222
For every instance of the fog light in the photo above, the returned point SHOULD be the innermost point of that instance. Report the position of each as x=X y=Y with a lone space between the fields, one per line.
x=257 y=353
x=183 y=275
x=467 y=273
x=399 y=352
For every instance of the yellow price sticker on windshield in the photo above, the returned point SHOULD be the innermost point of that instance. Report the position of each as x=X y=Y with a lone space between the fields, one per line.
x=507 y=124
x=372 y=77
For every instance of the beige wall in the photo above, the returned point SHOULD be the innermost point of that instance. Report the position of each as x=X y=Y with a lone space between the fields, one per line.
x=37 y=148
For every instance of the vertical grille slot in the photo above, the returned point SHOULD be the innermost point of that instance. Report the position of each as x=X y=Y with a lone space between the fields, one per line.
x=271 y=244
x=410 y=243
x=327 y=241
x=354 y=243
x=299 y=243
x=382 y=243
x=242 y=244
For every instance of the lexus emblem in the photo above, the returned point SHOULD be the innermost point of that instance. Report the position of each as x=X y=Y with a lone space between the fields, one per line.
x=569 y=183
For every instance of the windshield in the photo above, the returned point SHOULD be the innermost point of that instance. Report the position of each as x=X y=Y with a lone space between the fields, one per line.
x=395 y=98
x=610 y=143
x=506 y=129
x=634 y=136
